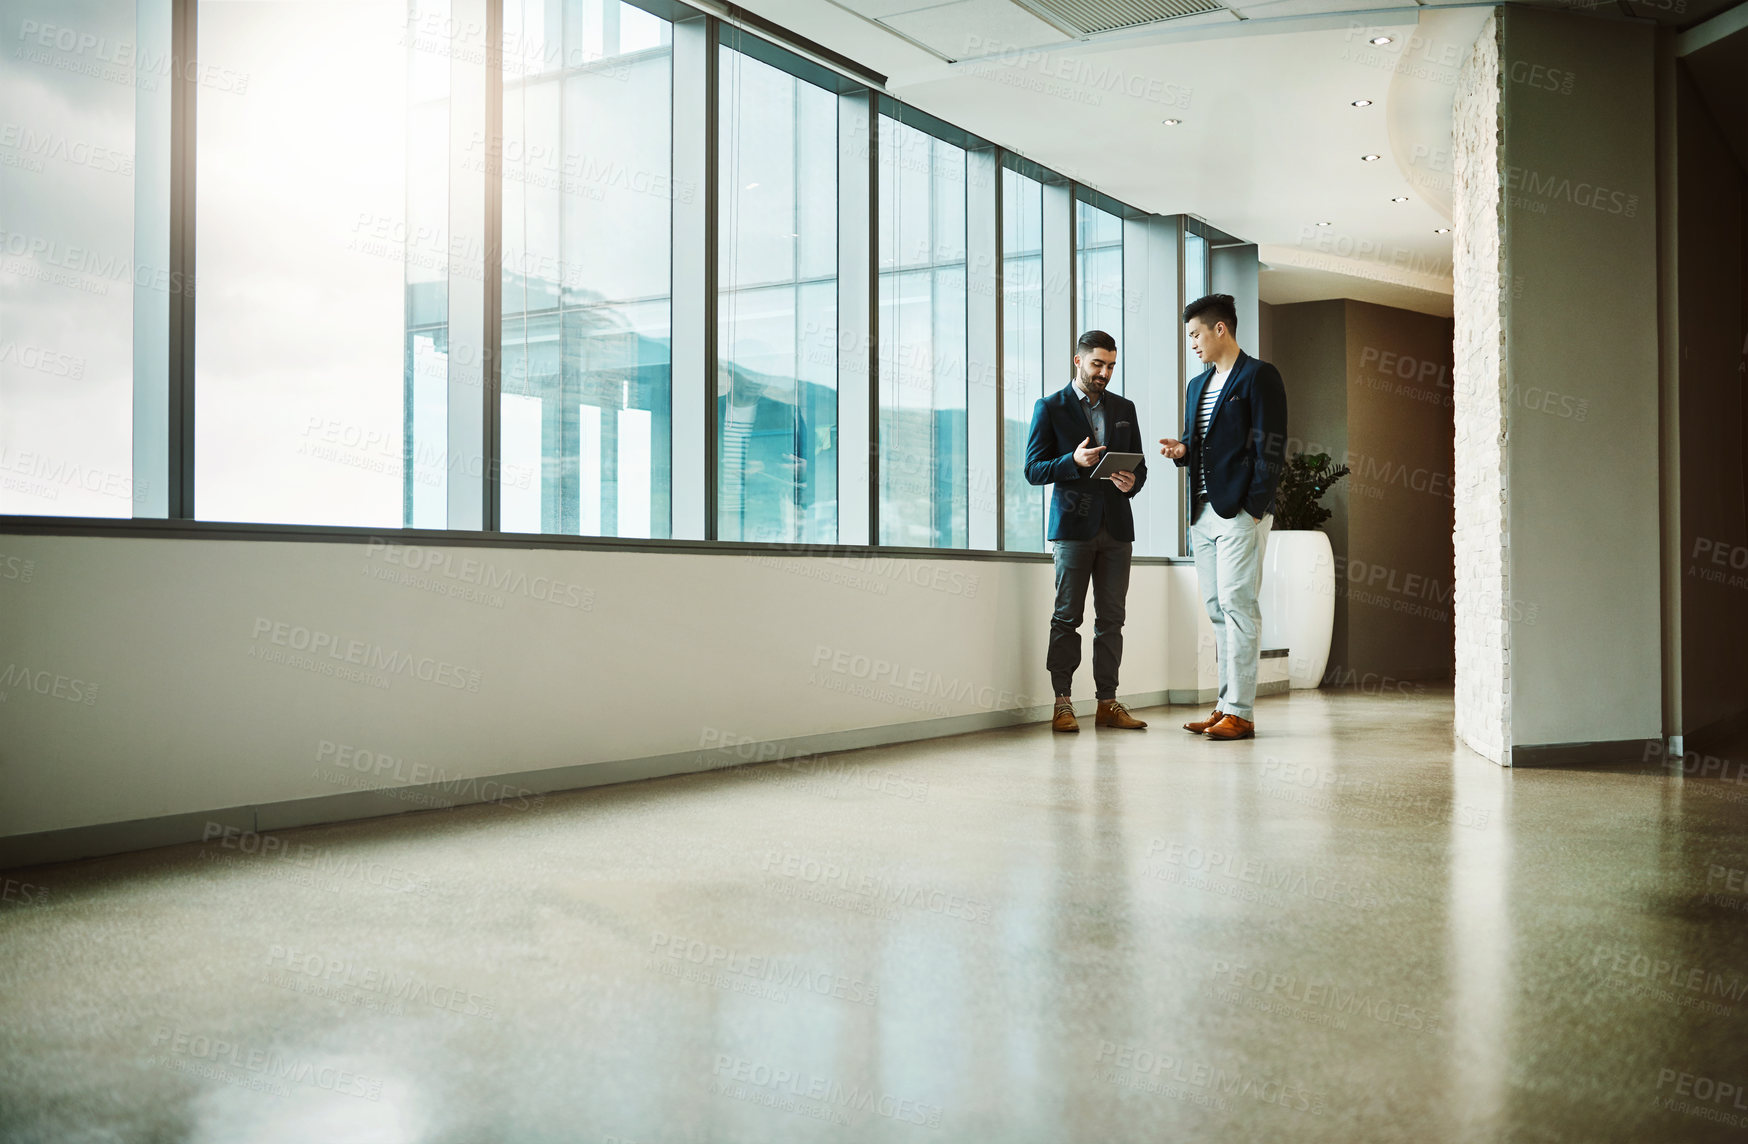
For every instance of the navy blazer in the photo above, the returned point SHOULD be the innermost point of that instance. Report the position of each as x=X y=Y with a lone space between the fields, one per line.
x=1247 y=438
x=1082 y=503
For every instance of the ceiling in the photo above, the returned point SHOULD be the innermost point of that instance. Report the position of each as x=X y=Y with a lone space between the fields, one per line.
x=1268 y=146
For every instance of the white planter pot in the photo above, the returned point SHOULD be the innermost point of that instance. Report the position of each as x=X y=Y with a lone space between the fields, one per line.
x=1298 y=601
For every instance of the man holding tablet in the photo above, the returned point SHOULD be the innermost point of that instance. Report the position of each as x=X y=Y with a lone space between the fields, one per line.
x=1087 y=443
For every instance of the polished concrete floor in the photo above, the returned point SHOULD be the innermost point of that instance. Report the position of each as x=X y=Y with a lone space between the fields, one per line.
x=1348 y=929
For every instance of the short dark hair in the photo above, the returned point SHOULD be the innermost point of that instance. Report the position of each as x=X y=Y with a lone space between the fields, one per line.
x=1214 y=308
x=1095 y=340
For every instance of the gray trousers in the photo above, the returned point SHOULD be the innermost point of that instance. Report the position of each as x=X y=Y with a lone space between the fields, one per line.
x=1104 y=564
x=1229 y=566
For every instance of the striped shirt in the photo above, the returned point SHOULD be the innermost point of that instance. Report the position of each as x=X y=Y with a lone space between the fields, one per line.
x=1204 y=414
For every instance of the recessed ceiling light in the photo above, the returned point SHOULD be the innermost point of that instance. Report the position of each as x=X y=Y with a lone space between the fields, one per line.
x=1370 y=158
x=1442 y=230
x=1325 y=224
x=1400 y=199
x=1171 y=122
x=1380 y=41
x=1362 y=103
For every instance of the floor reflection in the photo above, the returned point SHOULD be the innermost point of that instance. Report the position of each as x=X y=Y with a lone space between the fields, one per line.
x=1346 y=929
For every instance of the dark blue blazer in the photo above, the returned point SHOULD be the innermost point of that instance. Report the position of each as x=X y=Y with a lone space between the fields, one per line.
x=1247 y=438
x=1081 y=503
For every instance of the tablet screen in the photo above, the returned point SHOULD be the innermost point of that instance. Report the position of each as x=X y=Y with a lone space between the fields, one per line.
x=1116 y=463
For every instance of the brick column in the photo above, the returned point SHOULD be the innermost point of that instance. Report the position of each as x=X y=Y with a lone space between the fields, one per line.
x=1481 y=533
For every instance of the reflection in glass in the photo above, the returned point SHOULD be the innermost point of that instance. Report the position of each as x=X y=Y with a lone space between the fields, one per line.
x=923 y=482
x=586 y=394
x=1098 y=245
x=776 y=382
x=1022 y=245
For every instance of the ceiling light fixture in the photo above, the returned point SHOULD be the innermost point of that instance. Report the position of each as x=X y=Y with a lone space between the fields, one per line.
x=1171 y=122
x=1380 y=41
x=1325 y=224
x=1370 y=158
x=1400 y=199
x=1442 y=230
x=1362 y=103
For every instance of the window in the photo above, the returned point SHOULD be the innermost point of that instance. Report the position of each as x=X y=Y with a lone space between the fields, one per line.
x=923 y=480
x=777 y=275
x=1098 y=245
x=586 y=391
x=350 y=193
x=321 y=238
x=1195 y=286
x=84 y=242
x=1022 y=245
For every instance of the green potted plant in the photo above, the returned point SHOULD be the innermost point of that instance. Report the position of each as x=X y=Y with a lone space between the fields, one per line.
x=1298 y=572
x=1303 y=483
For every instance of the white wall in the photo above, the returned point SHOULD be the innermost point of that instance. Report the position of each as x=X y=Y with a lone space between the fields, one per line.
x=136 y=685
x=1559 y=644
x=1581 y=365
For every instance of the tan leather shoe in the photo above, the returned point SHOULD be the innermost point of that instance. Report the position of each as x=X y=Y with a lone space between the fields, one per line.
x=1201 y=725
x=1065 y=720
x=1111 y=713
x=1232 y=727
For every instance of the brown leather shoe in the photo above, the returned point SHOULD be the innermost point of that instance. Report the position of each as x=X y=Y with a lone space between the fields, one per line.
x=1201 y=725
x=1065 y=720
x=1111 y=713
x=1232 y=727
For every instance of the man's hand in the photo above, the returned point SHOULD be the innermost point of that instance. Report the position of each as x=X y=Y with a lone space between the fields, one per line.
x=1173 y=448
x=1123 y=479
x=1086 y=457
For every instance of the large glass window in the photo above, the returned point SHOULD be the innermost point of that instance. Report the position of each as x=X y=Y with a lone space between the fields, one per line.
x=321 y=248
x=346 y=174
x=777 y=272
x=1022 y=262
x=1195 y=286
x=425 y=386
x=923 y=481
x=82 y=287
x=1098 y=248
x=585 y=367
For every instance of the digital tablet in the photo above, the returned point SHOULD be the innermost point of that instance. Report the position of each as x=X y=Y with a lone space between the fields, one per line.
x=1117 y=463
